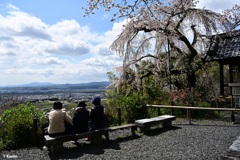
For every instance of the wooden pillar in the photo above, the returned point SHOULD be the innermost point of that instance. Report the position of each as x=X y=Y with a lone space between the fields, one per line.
x=231 y=81
x=221 y=79
x=230 y=76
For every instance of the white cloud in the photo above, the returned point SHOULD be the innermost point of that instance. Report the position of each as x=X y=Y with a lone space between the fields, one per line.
x=12 y=7
x=70 y=47
x=47 y=61
x=65 y=52
x=217 y=5
x=106 y=16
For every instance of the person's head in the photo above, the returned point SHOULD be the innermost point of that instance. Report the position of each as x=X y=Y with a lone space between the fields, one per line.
x=57 y=105
x=96 y=100
x=82 y=104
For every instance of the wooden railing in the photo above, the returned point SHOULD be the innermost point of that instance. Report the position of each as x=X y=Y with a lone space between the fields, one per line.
x=189 y=109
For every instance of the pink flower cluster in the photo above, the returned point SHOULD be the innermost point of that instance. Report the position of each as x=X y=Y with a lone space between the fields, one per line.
x=185 y=96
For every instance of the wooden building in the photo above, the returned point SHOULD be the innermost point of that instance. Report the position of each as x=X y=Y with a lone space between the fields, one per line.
x=225 y=49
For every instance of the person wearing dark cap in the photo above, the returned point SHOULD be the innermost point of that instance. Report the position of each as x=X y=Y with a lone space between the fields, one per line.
x=97 y=113
x=81 y=118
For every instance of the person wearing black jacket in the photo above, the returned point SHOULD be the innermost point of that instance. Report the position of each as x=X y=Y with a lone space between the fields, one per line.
x=81 y=118
x=97 y=114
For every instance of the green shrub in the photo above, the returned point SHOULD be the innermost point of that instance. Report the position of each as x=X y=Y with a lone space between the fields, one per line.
x=111 y=119
x=17 y=126
x=130 y=105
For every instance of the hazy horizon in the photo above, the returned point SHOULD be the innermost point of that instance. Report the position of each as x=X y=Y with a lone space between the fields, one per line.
x=51 y=83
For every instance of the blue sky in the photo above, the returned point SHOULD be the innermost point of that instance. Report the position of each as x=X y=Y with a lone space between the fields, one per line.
x=51 y=41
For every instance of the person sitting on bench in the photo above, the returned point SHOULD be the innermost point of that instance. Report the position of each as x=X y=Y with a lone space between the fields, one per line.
x=81 y=118
x=97 y=117
x=59 y=121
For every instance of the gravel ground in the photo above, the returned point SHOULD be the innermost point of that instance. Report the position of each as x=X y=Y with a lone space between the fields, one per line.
x=203 y=140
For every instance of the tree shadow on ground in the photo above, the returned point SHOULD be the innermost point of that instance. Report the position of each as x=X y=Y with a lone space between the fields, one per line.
x=76 y=151
x=159 y=130
x=201 y=122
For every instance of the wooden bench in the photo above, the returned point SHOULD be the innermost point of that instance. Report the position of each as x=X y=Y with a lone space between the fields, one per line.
x=56 y=143
x=132 y=126
x=145 y=124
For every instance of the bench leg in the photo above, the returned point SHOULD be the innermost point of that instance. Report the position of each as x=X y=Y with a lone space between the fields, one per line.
x=145 y=129
x=96 y=139
x=167 y=124
x=106 y=136
x=56 y=148
x=133 y=129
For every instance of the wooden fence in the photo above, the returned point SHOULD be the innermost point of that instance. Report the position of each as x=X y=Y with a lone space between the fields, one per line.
x=189 y=110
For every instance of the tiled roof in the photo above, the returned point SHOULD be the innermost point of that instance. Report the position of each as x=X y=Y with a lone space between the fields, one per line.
x=225 y=46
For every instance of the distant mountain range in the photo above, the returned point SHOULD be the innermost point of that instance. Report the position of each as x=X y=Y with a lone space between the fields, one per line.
x=48 y=84
x=36 y=84
x=43 y=88
x=50 y=88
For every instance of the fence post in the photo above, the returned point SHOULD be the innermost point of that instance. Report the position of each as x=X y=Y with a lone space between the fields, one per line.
x=172 y=109
x=189 y=115
x=145 y=111
x=232 y=116
x=119 y=116
x=35 y=130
